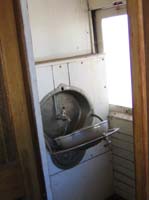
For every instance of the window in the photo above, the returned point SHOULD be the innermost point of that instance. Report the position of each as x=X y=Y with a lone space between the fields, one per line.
x=116 y=47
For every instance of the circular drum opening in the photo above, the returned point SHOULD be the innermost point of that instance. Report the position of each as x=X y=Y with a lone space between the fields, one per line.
x=65 y=110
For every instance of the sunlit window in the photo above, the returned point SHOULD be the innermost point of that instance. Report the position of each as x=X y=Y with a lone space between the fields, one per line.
x=116 y=48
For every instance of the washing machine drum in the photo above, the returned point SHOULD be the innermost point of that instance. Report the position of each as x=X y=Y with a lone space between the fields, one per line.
x=65 y=110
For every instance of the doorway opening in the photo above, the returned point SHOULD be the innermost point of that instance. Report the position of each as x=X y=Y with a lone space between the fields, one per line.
x=80 y=71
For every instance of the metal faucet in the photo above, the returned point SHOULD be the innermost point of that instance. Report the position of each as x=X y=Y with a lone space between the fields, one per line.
x=64 y=117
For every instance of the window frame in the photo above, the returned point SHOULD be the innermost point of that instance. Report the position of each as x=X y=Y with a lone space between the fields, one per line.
x=97 y=16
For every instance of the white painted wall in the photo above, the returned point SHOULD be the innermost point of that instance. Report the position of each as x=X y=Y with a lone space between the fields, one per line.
x=60 y=28
x=90 y=76
x=96 y=4
x=92 y=178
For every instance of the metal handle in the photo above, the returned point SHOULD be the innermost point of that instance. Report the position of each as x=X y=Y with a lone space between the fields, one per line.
x=111 y=132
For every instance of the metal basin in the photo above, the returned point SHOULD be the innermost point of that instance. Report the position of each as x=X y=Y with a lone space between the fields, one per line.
x=83 y=135
x=65 y=110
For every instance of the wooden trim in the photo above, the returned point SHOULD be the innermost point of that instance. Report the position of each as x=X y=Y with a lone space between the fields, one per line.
x=8 y=175
x=145 y=8
x=18 y=94
x=140 y=84
x=6 y=125
x=27 y=52
x=28 y=91
x=34 y=88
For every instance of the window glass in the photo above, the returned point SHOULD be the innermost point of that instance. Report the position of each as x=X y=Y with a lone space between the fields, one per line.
x=116 y=48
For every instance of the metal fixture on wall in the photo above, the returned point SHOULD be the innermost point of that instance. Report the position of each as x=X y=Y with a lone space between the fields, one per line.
x=67 y=117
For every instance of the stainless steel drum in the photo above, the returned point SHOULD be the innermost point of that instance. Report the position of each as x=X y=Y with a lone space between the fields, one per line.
x=67 y=117
x=65 y=110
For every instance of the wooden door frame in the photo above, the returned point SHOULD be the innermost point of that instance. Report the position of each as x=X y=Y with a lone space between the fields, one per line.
x=29 y=79
x=139 y=43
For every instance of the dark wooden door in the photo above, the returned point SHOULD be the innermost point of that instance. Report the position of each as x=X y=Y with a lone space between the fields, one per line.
x=18 y=170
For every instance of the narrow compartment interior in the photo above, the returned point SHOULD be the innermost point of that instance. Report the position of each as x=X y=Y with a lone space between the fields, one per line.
x=68 y=49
